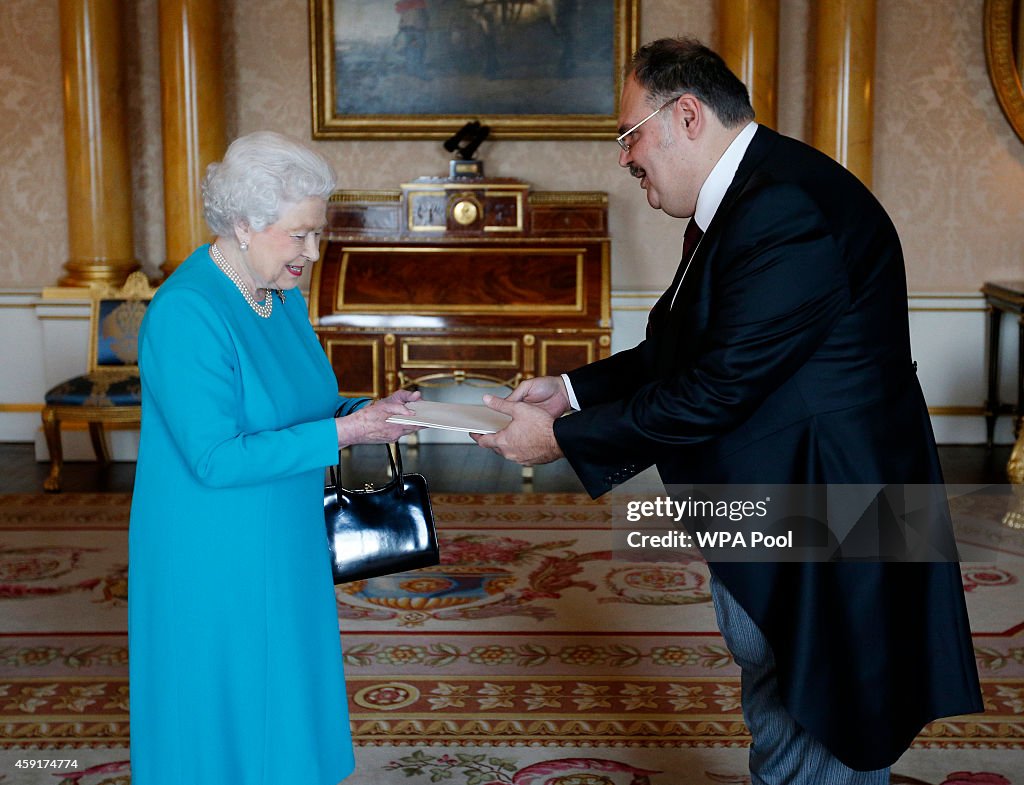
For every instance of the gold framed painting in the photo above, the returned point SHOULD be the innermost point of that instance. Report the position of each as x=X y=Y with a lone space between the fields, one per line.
x=420 y=69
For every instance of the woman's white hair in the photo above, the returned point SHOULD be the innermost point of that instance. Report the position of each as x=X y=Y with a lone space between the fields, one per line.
x=262 y=174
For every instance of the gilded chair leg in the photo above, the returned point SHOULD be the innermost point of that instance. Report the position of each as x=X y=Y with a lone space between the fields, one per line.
x=51 y=427
x=99 y=443
x=1014 y=517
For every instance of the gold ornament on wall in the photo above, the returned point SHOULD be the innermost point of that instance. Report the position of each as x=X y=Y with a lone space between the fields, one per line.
x=1003 y=52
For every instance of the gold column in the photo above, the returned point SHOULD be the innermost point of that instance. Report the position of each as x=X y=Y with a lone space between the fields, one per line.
x=844 y=64
x=748 y=40
x=192 y=103
x=99 y=187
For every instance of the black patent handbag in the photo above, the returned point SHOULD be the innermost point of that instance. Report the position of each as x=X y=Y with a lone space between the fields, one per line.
x=379 y=531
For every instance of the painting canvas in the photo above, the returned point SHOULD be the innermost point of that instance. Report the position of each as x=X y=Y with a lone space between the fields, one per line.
x=421 y=68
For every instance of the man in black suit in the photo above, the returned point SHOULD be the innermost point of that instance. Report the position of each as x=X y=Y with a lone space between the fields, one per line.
x=779 y=354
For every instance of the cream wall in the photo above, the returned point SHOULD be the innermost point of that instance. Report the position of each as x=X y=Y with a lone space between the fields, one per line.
x=947 y=165
x=33 y=238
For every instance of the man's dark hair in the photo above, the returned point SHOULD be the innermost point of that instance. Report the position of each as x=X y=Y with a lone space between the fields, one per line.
x=669 y=67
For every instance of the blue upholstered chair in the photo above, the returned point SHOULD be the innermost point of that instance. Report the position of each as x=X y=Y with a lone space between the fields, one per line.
x=110 y=390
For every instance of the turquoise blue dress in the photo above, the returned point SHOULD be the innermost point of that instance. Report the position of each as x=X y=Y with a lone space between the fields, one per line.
x=234 y=652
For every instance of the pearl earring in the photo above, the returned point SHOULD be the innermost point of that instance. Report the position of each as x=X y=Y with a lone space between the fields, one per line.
x=244 y=245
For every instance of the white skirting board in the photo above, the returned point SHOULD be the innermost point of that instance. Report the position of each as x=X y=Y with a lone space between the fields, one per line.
x=45 y=340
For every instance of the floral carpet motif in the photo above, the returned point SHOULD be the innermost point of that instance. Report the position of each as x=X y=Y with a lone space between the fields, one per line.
x=529 y=656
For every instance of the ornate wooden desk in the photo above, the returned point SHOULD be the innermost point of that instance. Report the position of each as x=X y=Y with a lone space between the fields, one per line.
x=451 y=280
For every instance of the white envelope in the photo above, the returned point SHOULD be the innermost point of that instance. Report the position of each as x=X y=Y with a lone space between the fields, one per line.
x=466 y=417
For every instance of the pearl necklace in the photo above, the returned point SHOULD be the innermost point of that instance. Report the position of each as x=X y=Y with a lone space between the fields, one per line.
x=263 y=309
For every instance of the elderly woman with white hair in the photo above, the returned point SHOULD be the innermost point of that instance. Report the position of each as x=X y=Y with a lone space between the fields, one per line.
x=234 y=653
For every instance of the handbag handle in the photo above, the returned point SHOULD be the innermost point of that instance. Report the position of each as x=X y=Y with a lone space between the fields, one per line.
x=395 y=464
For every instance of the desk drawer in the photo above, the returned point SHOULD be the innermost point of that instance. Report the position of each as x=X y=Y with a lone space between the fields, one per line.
x=460 y=353
x=358 y=363
x=576 y=222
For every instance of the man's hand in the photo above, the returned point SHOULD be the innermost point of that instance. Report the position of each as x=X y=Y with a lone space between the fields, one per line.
x=548 y=392
x=529 y=439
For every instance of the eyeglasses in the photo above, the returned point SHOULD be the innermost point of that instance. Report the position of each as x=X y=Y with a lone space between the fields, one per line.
x=622 y=137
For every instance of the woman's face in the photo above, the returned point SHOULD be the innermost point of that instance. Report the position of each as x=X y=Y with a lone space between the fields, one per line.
x=278 y=255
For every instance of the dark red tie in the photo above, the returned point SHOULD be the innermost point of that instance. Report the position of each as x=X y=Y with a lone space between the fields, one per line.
x=691 y=237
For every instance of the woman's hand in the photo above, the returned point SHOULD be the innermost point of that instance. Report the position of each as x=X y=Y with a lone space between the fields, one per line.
x=369 y=425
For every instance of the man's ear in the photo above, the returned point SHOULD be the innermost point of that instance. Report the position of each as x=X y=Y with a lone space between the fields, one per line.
x=689 y=113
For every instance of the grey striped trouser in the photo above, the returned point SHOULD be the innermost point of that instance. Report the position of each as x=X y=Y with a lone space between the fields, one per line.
x=782 y=752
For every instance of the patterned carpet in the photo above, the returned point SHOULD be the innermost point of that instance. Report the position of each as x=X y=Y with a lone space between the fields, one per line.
x=530 y=657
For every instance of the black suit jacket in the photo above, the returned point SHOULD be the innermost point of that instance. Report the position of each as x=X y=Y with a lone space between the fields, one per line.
x=786 y=359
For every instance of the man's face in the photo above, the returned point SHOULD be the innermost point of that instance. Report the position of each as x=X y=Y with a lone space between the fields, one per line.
x=657 y=152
